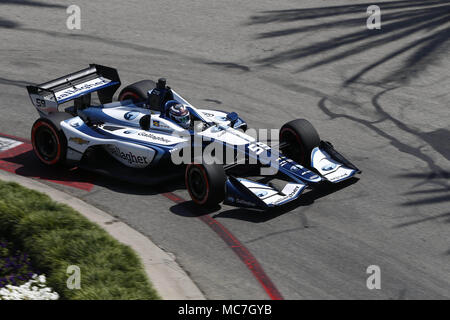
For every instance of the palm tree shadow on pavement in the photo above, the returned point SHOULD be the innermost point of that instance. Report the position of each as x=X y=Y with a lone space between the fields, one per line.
x=32 y=3
x=414 y=35
x=423 y=25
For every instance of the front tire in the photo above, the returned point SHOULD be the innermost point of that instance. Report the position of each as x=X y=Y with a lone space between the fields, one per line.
x=49 y=143
x=206 y=183
x=302 y=138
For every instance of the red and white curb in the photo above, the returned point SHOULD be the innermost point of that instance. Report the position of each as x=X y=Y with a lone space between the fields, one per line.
x=17 y=156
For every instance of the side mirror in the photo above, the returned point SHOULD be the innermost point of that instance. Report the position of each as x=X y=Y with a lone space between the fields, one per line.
x=144 y=122
x=232 y=117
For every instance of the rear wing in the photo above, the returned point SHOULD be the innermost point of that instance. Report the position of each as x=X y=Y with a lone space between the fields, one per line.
x=46 y=97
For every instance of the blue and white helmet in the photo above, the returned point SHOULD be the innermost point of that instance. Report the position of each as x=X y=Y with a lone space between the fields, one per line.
x=179 y=113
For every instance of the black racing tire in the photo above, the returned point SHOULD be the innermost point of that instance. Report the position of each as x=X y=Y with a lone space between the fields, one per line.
x=137 y=91
x=206 y=183
x=302 y=138
x=49 y=142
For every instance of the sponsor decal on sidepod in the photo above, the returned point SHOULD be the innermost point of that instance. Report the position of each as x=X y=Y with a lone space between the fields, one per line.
x=78 y=140
x=131 y=115
x=153 y=137
x=130 y=157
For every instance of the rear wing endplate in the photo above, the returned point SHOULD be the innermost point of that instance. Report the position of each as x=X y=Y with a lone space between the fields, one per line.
x=46 y=97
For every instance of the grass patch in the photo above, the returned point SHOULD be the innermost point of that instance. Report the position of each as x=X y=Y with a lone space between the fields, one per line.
x=56 y=236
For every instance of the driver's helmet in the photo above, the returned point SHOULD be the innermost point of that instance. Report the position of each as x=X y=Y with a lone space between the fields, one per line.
x=179 y=113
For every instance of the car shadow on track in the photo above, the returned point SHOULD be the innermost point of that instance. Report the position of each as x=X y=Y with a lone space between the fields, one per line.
x=120 y=186
x=189 y=209
x=26 y=164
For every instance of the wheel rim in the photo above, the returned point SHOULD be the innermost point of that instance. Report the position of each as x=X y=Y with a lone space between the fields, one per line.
x=46 y=143
x=197 y=184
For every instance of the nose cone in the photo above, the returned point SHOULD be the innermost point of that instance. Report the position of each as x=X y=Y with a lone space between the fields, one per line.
x=301 y=172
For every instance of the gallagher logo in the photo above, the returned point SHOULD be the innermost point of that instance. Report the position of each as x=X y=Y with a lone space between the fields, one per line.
x=128 y=156
x=93 y=84
x=153 y=137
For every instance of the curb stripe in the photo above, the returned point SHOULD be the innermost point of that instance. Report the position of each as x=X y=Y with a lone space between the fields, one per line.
x=9 y=162
x=238 y=248
x=15 y=138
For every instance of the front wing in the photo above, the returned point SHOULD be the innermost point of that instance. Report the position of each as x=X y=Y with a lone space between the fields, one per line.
x=245 y=193
x=326 y=162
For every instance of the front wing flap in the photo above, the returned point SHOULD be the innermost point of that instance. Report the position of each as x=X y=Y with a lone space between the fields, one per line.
x=245 y=193
x=331 y=165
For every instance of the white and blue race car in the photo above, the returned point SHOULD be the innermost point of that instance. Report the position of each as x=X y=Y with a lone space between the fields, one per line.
x=136 y=140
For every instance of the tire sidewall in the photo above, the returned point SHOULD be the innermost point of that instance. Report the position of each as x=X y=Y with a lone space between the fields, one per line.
x=283 y=131
x=214 y=180
x=305 y=135
x=137 y=91
x=204 y=175
x=58 y=136
x=130 y=95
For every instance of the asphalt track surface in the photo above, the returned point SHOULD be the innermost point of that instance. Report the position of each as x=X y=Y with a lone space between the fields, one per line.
x=381 y=97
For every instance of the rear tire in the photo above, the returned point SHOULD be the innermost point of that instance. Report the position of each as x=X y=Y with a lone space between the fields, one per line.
x=302 y=138
x=137 y=91
x=49 y=142
x=206 y=183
